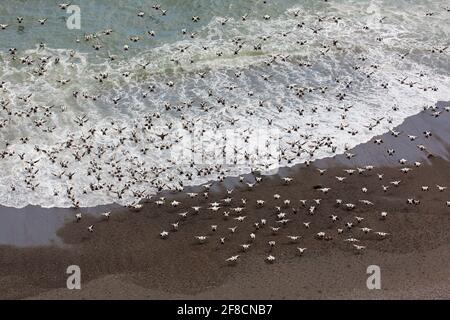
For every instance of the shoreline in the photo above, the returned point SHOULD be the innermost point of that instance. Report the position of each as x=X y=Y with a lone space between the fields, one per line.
x=125 y=258
x=365 y=156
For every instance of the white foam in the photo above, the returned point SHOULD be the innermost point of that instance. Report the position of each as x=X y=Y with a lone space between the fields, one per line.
x=405 y=31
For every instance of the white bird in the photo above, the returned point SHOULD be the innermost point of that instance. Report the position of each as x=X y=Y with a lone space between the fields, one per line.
x=232 y=258
x=183 y=215
x=366 y=230
x=91 y=228
x=136 y=207
x=361 y=170
x=106 y=214
x=164 y=234
x=301 y=250
x=396 y=183
x=405 y=170
x=274 y=229
x=270 y=258
x=78 y=216
x=350 y=206
x=175 y=226
x=175 y=203
x=196 y=209
x=293 y=238
x=214 y=209
x=201 y=239
x=384 y=215
x=421 y=147
x=281 y=215
x=283 y=221
x=359 y=248
x=381 y=234
x=440 y=188
x=325 y=190
x=378 y=141
x=287 y=180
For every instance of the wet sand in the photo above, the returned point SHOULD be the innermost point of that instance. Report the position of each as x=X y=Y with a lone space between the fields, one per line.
x=125 y=258
x=37 y=226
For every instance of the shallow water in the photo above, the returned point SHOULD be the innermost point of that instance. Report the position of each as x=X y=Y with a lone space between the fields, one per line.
x=406 y=29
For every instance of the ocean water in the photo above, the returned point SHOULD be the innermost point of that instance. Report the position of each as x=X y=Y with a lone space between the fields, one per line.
x=193 y=86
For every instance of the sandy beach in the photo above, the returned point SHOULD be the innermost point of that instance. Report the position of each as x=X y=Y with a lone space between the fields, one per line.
x=202 y=150
x=125 y=258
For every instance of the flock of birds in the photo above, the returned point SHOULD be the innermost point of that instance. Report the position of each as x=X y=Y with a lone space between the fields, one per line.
x=237 y=213
x=293 y=211
x=114 y=170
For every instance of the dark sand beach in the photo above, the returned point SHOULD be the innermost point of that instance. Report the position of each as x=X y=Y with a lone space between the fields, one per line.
x=125 y=258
